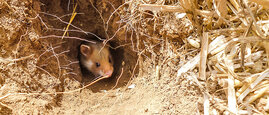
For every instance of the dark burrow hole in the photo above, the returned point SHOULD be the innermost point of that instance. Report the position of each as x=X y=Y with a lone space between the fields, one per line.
x=90 y=21
x=105 y=84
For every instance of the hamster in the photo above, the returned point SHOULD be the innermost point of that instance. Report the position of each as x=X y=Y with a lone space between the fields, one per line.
x=96 y=58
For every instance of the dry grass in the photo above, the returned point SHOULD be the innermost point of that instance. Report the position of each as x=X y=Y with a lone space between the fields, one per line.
x=233 y=48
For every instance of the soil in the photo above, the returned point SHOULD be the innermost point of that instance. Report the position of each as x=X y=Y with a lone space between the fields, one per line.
x=40 y=73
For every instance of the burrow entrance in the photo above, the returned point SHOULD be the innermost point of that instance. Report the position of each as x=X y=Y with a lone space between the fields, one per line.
x=56 y=14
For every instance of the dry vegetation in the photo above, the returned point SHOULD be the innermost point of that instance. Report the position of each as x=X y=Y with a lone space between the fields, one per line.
x=173 y=57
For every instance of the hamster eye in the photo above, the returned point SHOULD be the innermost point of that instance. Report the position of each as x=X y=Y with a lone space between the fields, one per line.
x=109 y=59
x=97 y=64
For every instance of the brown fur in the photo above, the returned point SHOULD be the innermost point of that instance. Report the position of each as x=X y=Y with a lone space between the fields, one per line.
x=96 y=53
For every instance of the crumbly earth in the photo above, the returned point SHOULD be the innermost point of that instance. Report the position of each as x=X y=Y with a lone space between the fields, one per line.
x=40 y=74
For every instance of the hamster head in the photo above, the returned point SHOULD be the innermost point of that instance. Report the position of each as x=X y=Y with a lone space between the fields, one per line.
x=97 y=59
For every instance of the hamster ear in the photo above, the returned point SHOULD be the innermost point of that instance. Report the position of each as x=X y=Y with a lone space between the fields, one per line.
x=85 y=50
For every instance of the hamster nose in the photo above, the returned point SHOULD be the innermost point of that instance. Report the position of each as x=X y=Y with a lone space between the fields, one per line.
x=108 y=73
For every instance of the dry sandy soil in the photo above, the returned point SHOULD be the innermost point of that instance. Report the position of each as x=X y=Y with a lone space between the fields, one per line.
x=40 y=72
